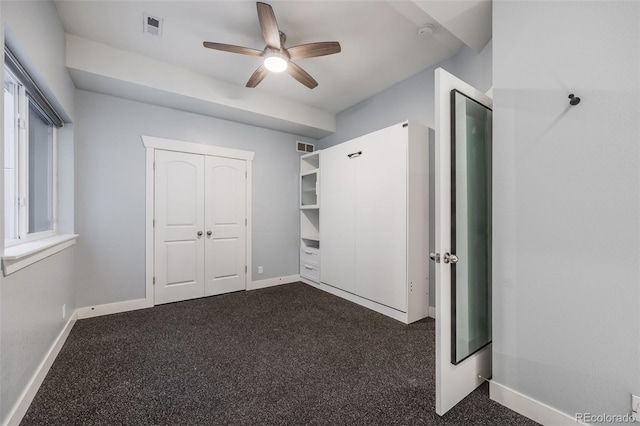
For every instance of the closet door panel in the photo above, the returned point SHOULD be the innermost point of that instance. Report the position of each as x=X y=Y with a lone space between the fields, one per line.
x=337 y=217
x=381 y=218
x=225 y=211
x=179 y=215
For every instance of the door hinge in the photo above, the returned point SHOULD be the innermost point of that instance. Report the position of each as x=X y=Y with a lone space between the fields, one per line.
x=245 y=268
x=154 y=280
x=246 y=174
x=154 y=165
x=246 y=221
x=154 y=223
x=21 y=123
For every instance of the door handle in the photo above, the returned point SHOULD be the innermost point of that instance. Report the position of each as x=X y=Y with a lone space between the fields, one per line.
x=308 y=267
x=355 y=154
x=209 y=233
x=435 y=257
x=450 y=258
x=199 y=233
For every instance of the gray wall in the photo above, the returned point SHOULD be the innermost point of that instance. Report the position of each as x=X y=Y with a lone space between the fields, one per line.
x=31 y=299
x=566 y=292
x=31 y=307
x=413 y=99
x=110 y=213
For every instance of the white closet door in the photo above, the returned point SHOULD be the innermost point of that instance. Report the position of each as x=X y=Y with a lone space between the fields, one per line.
x=225 y=207
x=337 y=216
x=179 y=216
x=381 y=218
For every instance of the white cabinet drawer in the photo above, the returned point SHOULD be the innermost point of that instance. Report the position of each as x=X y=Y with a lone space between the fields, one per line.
x=310 y=255
x=309 y=271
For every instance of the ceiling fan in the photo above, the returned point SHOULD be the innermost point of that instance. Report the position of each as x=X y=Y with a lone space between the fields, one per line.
x=277 y=58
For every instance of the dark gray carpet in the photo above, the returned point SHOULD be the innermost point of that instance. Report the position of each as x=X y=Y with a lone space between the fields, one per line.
x=290 y=354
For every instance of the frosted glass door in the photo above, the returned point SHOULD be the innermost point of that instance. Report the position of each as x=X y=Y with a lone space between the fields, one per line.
x=309 y=190
x=462 y=225
x=471 y=230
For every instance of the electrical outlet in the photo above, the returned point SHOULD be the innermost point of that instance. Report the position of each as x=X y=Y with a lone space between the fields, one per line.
x=635 y=407
x=64 y=311
x=260 y=269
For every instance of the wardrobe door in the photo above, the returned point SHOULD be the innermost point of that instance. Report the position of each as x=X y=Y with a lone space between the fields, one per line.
x=337 y=216
x=179 y=225
x=381 y=218
x=225 y=224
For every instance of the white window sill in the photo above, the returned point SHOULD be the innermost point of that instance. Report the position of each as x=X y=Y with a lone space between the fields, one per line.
x=23 y=255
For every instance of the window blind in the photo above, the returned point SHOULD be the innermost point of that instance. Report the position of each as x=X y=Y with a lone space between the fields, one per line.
x=34 y=92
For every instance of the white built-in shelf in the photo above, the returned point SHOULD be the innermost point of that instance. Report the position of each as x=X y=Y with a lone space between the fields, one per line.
x=310 y=162
x=310 y=216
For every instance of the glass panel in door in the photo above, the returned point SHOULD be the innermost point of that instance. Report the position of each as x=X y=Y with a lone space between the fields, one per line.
x=471 y=226
x=309 y=189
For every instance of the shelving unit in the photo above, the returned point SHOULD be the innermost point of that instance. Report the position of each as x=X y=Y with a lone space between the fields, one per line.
x=310 y=217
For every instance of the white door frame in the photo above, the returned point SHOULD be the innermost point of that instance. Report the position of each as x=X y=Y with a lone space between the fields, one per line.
x=151 y=143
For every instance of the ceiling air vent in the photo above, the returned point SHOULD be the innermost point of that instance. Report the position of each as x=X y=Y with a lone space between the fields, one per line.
x=304 y=147
x=152 y=25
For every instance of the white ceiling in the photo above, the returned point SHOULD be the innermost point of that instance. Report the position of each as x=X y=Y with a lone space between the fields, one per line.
x=380 y=44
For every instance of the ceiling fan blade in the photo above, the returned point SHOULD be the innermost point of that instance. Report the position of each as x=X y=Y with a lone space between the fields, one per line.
x=301 y=75
x=257 y=76
x=311 y=50
x=269 y=26
x=233 y=49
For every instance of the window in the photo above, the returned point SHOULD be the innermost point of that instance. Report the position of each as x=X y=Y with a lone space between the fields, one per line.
x=29 y=158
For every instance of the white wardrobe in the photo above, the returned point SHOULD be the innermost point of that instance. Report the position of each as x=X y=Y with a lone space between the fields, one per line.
x=374 y=221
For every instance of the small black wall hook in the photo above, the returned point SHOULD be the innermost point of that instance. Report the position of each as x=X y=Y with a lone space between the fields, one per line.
x=574 y=99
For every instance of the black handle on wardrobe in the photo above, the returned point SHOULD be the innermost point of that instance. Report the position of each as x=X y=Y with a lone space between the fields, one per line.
x=355 y=154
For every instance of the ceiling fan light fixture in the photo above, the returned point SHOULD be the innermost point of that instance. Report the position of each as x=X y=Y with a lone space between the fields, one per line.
x=276 y=62
x=276 y=57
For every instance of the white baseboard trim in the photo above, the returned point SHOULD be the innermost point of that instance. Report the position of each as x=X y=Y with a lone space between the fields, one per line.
x=528 y=407
x=270 y=282
x=112 y=308
x=22 y=405
x=432 y=312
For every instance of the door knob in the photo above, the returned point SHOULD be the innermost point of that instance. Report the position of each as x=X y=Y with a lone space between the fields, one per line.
x=209 y=233
x=435 y=257
x=199 y=233
x=450 y=258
